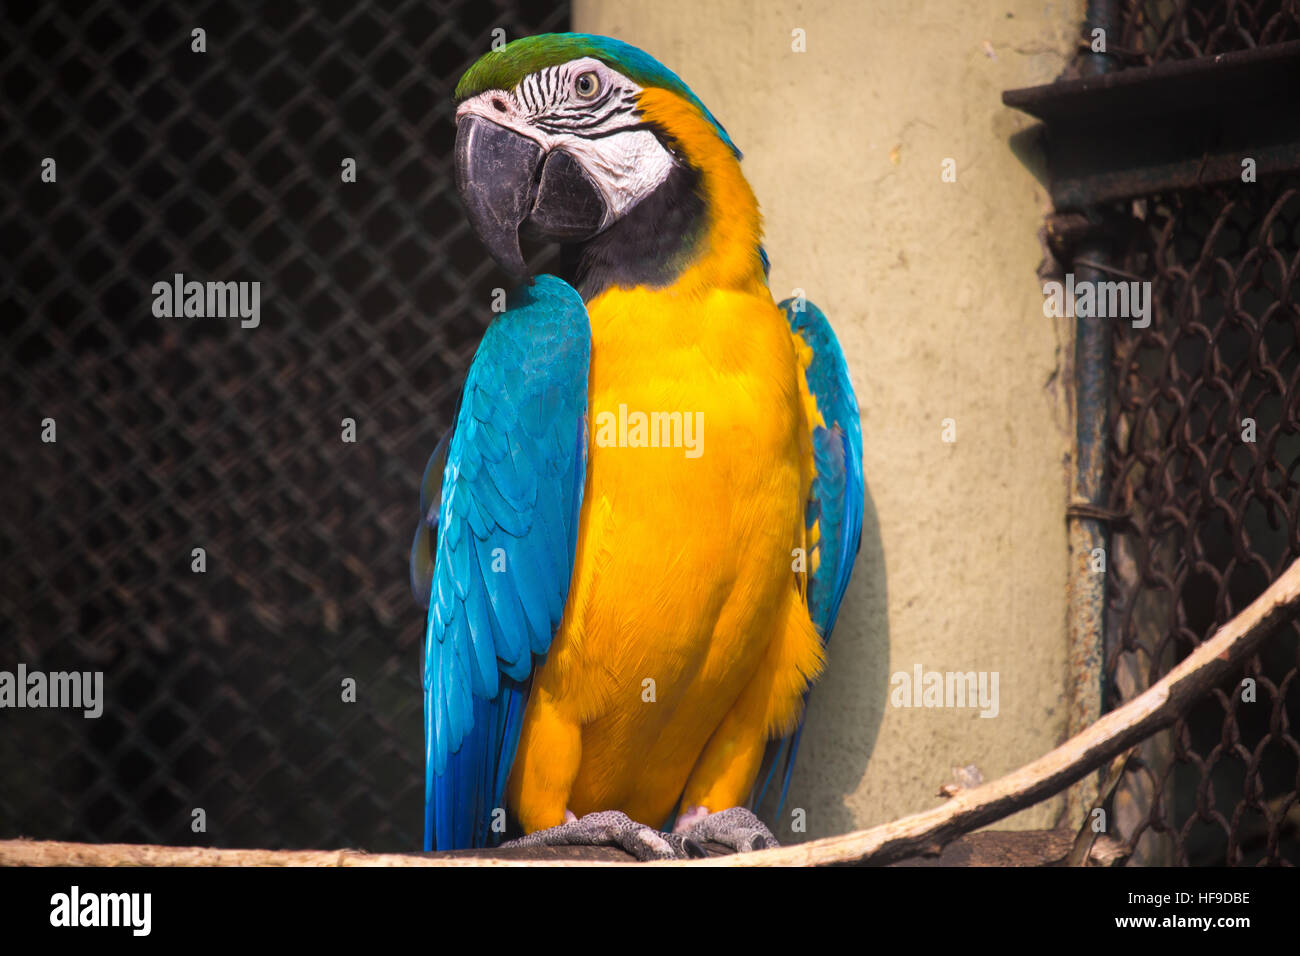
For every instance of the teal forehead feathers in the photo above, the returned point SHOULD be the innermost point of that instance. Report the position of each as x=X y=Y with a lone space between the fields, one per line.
x=503 y=69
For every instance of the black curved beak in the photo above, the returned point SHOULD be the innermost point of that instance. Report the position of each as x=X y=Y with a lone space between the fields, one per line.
x=509 y=183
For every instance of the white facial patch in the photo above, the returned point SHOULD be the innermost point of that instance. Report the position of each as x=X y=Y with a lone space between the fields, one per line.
x=626 y=167
x=601 y=131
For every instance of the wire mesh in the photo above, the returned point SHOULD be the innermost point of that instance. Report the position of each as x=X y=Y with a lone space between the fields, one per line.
x=224 y=688
x=1203 y=465
x=1201 y=470
x=1154 y=31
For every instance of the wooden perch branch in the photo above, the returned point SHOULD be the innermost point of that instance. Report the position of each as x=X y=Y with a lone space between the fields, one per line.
x=919 y=834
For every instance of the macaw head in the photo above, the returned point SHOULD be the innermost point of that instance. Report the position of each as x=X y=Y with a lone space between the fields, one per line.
x=590 y=142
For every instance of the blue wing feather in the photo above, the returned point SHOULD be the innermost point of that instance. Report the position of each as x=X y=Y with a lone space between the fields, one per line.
x=835 y=506
x=502 y=548
x=426 y=532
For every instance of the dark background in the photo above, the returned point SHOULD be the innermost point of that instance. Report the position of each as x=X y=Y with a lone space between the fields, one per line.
x=224 y=689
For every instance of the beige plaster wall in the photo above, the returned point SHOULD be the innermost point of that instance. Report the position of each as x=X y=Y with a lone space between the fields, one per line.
x=932 y=290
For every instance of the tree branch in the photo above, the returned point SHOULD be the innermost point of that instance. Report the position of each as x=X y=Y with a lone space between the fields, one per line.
x=921 y=834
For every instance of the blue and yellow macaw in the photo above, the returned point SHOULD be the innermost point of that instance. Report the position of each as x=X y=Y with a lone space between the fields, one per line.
x=624 y=617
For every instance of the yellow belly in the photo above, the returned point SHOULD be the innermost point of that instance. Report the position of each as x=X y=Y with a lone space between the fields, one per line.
x=683 y=576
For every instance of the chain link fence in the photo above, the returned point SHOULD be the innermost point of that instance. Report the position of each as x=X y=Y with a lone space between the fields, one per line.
x=1155 y=31
x=224 y=688
x=1205 y=476
x=1202 y=469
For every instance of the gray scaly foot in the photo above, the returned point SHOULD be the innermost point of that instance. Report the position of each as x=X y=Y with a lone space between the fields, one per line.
x=736 y=828
x=615 y=828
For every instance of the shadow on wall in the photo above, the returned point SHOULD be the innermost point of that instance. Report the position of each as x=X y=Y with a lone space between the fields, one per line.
x=847 y=704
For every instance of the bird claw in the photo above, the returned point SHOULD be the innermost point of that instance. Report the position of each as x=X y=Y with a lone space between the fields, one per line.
x=736 y=828
x=615 y=828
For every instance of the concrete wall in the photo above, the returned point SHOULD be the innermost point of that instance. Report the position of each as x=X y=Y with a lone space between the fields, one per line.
x=932 y=289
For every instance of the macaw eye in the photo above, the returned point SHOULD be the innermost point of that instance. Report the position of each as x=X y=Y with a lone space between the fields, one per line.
x=587 y=85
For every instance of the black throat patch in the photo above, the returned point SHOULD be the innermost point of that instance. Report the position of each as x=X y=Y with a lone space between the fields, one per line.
x=650 y=246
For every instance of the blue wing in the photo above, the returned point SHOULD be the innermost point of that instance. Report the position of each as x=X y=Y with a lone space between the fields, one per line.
x=835 y=504
x=494 y=561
